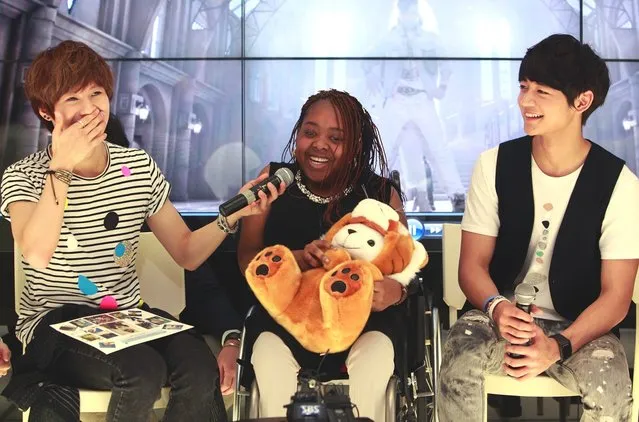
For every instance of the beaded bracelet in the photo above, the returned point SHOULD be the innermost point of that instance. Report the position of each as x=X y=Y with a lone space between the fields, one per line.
x=63 y=176
x=223 y=224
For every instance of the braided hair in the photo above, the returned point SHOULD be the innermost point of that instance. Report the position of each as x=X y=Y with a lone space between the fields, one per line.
x=363 y=152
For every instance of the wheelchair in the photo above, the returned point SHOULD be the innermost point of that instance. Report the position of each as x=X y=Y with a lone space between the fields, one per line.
x=410 y=393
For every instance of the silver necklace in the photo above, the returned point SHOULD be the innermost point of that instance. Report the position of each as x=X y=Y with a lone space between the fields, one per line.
x=316 y=198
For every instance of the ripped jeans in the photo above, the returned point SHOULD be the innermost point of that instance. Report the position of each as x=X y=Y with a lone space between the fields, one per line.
x=599 y=371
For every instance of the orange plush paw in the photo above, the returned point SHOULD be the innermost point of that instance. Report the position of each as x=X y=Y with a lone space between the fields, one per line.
x=274 y=277
x=346 y=296
x=345 y=280
x=268 y=263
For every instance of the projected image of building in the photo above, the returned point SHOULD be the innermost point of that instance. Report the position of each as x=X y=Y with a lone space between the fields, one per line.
x=212 y=88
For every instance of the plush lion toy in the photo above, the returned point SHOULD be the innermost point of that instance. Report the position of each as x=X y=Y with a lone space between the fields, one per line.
x=326 y=309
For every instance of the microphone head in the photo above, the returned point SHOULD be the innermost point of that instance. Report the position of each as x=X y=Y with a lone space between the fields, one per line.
x=525 y=294
x=285 y=175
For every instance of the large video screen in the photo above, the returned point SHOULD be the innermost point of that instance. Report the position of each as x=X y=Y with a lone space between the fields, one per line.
x=212 y=88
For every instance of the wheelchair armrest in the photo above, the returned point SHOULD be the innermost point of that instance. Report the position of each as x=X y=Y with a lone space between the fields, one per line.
x=244 y=376
x=415 y=286
x=250 y=312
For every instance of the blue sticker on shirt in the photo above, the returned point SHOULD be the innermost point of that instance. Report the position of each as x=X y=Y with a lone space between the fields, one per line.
x=86 y=286
x=123 y=254
x=120 y=249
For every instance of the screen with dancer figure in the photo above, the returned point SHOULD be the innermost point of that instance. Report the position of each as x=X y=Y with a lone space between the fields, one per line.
x=212 y=92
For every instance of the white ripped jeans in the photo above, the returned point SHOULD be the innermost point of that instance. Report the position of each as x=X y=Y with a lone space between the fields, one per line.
x=599 y=371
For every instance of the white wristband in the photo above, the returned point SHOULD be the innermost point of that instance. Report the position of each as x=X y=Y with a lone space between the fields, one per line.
x=493 y=304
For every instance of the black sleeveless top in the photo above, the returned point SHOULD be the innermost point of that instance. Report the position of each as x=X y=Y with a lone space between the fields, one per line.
x=294 y=220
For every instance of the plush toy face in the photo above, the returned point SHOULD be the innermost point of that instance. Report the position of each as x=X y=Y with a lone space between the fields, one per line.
x=361 y=241
x=373 y=232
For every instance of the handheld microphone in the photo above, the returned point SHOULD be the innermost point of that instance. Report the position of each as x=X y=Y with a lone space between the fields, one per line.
x=524 y=297
x=246 y=198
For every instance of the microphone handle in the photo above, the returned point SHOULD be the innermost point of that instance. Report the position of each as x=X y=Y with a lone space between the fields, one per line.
x=262 y=186
x=525 y=308
x=247 y=197
x=233 y=205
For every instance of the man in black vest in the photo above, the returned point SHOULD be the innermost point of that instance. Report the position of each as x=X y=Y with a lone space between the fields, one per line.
x=557 y=212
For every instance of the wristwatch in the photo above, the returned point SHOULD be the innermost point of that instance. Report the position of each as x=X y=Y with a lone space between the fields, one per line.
x=565 y=347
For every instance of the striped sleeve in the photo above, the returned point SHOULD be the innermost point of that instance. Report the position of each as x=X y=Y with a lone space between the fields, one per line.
x=16 y=186
x=160 y=188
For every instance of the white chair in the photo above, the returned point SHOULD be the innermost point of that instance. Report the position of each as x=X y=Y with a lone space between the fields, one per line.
x=541 y=386
x=162 y=286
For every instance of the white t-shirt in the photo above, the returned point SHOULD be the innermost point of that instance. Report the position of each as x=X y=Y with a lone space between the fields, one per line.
x=619 y=230
x=94 y=261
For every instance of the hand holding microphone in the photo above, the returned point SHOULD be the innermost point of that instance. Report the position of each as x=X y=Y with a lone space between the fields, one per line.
x=527 y=360
x=524 y=297
x=514 y=323
x=253 y=198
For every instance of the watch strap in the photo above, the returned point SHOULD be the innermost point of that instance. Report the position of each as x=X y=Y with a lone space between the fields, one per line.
x=565 y=347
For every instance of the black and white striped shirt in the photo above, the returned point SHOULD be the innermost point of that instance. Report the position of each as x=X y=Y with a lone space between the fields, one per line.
x=94 y=261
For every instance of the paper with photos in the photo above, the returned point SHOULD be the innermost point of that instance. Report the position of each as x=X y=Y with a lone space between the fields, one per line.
x=117 y=330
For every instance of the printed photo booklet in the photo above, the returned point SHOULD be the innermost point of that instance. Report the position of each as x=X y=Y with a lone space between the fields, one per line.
x=117 y=330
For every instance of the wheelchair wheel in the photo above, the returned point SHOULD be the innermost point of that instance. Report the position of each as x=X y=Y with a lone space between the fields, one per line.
x=421 y=381
x=425 y=397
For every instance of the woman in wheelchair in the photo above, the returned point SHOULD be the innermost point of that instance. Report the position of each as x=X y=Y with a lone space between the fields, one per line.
x=76 y=210
x=334 y=150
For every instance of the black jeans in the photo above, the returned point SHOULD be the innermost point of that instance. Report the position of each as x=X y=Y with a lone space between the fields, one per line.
x=136 y=375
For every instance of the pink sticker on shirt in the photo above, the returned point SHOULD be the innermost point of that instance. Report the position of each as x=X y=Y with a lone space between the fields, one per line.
x=109 y=304
x=125 y=171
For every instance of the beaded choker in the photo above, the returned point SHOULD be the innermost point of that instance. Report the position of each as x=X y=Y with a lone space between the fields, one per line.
x=316 y=198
